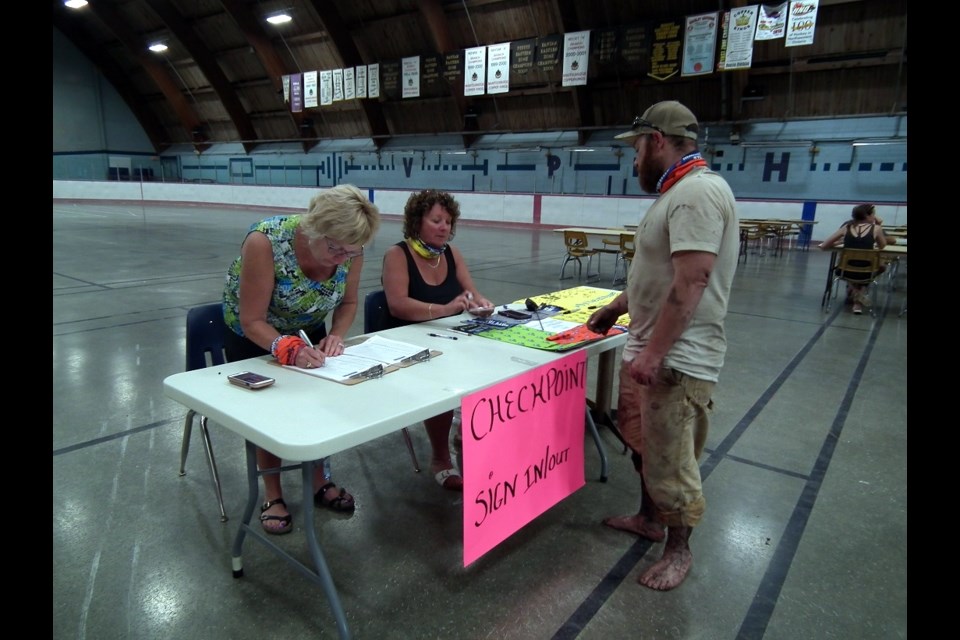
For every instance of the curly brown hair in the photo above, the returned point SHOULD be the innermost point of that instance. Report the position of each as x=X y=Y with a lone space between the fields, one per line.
x=418 y=204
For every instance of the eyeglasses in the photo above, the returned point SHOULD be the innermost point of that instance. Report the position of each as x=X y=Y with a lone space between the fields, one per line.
x=337 y=251
x=639 y=122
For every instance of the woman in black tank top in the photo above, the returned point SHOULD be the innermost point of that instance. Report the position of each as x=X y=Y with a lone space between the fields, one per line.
x=424 y=278
x=859 y=233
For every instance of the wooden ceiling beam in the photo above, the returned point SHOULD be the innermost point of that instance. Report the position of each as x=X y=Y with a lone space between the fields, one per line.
x=439 y=28
x=67 y=24
x=343 y=44
x=272 y=63
x=210 y=68
x=157 y=72
x=582 y=99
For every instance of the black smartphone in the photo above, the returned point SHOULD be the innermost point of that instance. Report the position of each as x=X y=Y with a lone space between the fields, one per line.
x=515 y=315
x=250 y=380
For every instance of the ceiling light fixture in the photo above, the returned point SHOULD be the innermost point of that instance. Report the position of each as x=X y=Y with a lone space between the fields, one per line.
x=158 y=47
x=75 y=4
x=871 y=142
x=777 y=143
x=279 y=18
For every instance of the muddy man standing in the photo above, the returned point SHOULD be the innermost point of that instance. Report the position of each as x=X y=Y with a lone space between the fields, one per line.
x=676 y=294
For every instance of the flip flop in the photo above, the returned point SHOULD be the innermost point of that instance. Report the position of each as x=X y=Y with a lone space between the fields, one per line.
x=286 y=522
x=442 y=476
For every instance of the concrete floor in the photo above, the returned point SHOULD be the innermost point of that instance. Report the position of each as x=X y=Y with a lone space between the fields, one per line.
x=805 y=471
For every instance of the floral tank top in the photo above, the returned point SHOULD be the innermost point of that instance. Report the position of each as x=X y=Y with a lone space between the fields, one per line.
x=297 y=302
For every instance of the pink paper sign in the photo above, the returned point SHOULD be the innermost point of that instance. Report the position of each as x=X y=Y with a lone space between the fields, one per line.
x=522 y=450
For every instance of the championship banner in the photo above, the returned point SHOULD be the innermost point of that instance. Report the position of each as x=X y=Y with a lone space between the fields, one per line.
x=665 y=51
x=373 y=80
x=498 y=68
x=739 y=52
x=410 y=77
x=326 y=88
x=771 y=22
x=390 y=80
x=522 y=60
x=296 y=92
x=361 y=81
x=801 y=23
x=699 y=44
x=349 y=87
x=475 y=69
x=432 y=84
x=576 y=56
x=337 y=85
x=309 y=89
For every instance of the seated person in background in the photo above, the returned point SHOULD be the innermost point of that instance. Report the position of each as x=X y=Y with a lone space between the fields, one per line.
x=424 y=277
x=858 y=233
x=294 y=270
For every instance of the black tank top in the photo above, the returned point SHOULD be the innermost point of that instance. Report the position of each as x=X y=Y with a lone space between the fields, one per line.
x=418 y=289
x=853 y=241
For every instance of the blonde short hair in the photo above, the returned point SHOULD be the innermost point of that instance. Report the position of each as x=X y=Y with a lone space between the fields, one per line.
x=342 y=213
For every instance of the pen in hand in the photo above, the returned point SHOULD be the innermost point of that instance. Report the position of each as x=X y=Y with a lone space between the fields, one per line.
x=306 y=338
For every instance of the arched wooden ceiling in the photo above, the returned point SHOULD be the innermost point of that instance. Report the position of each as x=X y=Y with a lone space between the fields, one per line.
x=220 y=79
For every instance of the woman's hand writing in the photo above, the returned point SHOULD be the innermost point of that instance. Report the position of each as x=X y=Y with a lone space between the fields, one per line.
x=309 y=358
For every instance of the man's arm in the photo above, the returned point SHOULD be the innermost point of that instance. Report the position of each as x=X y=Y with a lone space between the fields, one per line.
x=692 y=271
x=603 y=318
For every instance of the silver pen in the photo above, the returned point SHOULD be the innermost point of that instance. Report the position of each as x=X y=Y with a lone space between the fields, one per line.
x=305 y=338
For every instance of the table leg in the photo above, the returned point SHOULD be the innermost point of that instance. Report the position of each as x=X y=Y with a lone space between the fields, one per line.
x=828 y=290
x=323 y=571
x=596 y=440
x=322 y=574
x=606 y=364
x=252 y=493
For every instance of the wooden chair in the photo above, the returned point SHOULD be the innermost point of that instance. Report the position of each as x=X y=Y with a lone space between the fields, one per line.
x=609 y=246
x=748 y=233
x=376 y=317
x=624 y=257
x=858 y=267
x=577 y=248
x=205 y=327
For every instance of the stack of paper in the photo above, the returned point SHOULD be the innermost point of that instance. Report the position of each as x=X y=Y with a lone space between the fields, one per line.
x=368 y=359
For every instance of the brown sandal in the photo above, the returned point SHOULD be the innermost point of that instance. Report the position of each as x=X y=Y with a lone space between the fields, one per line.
x=286 y=522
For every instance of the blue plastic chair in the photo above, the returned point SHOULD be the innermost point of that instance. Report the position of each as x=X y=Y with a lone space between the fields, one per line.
x=205 y=328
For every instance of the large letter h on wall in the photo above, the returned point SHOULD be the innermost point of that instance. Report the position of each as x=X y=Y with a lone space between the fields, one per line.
x=769 y=166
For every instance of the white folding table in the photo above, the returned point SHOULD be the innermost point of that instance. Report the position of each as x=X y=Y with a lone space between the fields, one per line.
x=302 y=418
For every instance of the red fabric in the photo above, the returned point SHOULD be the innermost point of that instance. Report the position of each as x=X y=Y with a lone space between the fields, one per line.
x=679 y=171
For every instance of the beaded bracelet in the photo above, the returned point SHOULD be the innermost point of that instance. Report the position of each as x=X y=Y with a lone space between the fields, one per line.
x=273 y=346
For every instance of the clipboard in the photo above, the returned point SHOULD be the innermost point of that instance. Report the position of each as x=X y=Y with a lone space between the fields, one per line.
x=372 y=372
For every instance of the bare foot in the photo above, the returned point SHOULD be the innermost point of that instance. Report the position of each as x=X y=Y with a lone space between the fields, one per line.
x=669 y=571
x=637 y=524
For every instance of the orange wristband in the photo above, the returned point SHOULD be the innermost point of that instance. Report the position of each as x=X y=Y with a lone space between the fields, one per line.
x=286 y=349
